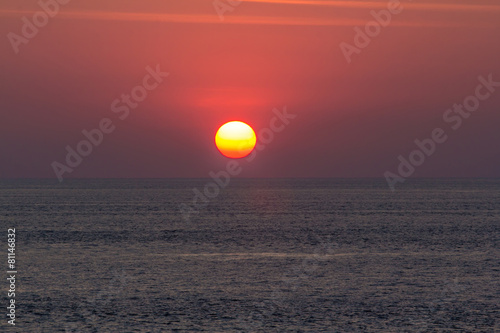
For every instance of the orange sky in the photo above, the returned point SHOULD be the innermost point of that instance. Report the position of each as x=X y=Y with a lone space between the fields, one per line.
x=353 y=120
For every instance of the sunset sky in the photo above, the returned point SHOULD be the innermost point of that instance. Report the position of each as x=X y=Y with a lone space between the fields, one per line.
x=352 y=119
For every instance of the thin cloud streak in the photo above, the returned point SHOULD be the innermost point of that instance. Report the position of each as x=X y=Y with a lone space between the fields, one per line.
x=212 y=19
x=383 y=4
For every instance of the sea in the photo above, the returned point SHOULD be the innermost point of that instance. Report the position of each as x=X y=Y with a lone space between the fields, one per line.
x=252 y=255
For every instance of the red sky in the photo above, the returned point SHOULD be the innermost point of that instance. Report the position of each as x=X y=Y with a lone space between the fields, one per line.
x=353 y=120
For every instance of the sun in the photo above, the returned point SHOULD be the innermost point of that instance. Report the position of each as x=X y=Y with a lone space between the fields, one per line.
x=235 y=139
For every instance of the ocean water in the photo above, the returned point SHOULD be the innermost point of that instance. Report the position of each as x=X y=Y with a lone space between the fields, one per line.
x=303 y=255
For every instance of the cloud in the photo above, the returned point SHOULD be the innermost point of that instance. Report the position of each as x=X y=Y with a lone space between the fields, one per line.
x=213 y=19
x=282 y=16
x=383 y=4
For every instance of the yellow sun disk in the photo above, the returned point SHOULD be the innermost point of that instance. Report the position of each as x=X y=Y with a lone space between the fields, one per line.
x=235 y=139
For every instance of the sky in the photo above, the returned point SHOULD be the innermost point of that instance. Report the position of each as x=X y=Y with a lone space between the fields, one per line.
x=355 y=112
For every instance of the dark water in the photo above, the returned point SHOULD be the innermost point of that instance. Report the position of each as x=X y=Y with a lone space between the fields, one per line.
x=263 y=256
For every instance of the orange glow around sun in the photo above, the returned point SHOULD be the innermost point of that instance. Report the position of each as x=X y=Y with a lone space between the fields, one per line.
x=235 y=139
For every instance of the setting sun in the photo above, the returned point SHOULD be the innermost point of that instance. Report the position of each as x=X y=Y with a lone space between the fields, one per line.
x=235 y=139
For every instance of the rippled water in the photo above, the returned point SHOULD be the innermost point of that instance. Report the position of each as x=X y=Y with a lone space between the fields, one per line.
x=263 y=256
